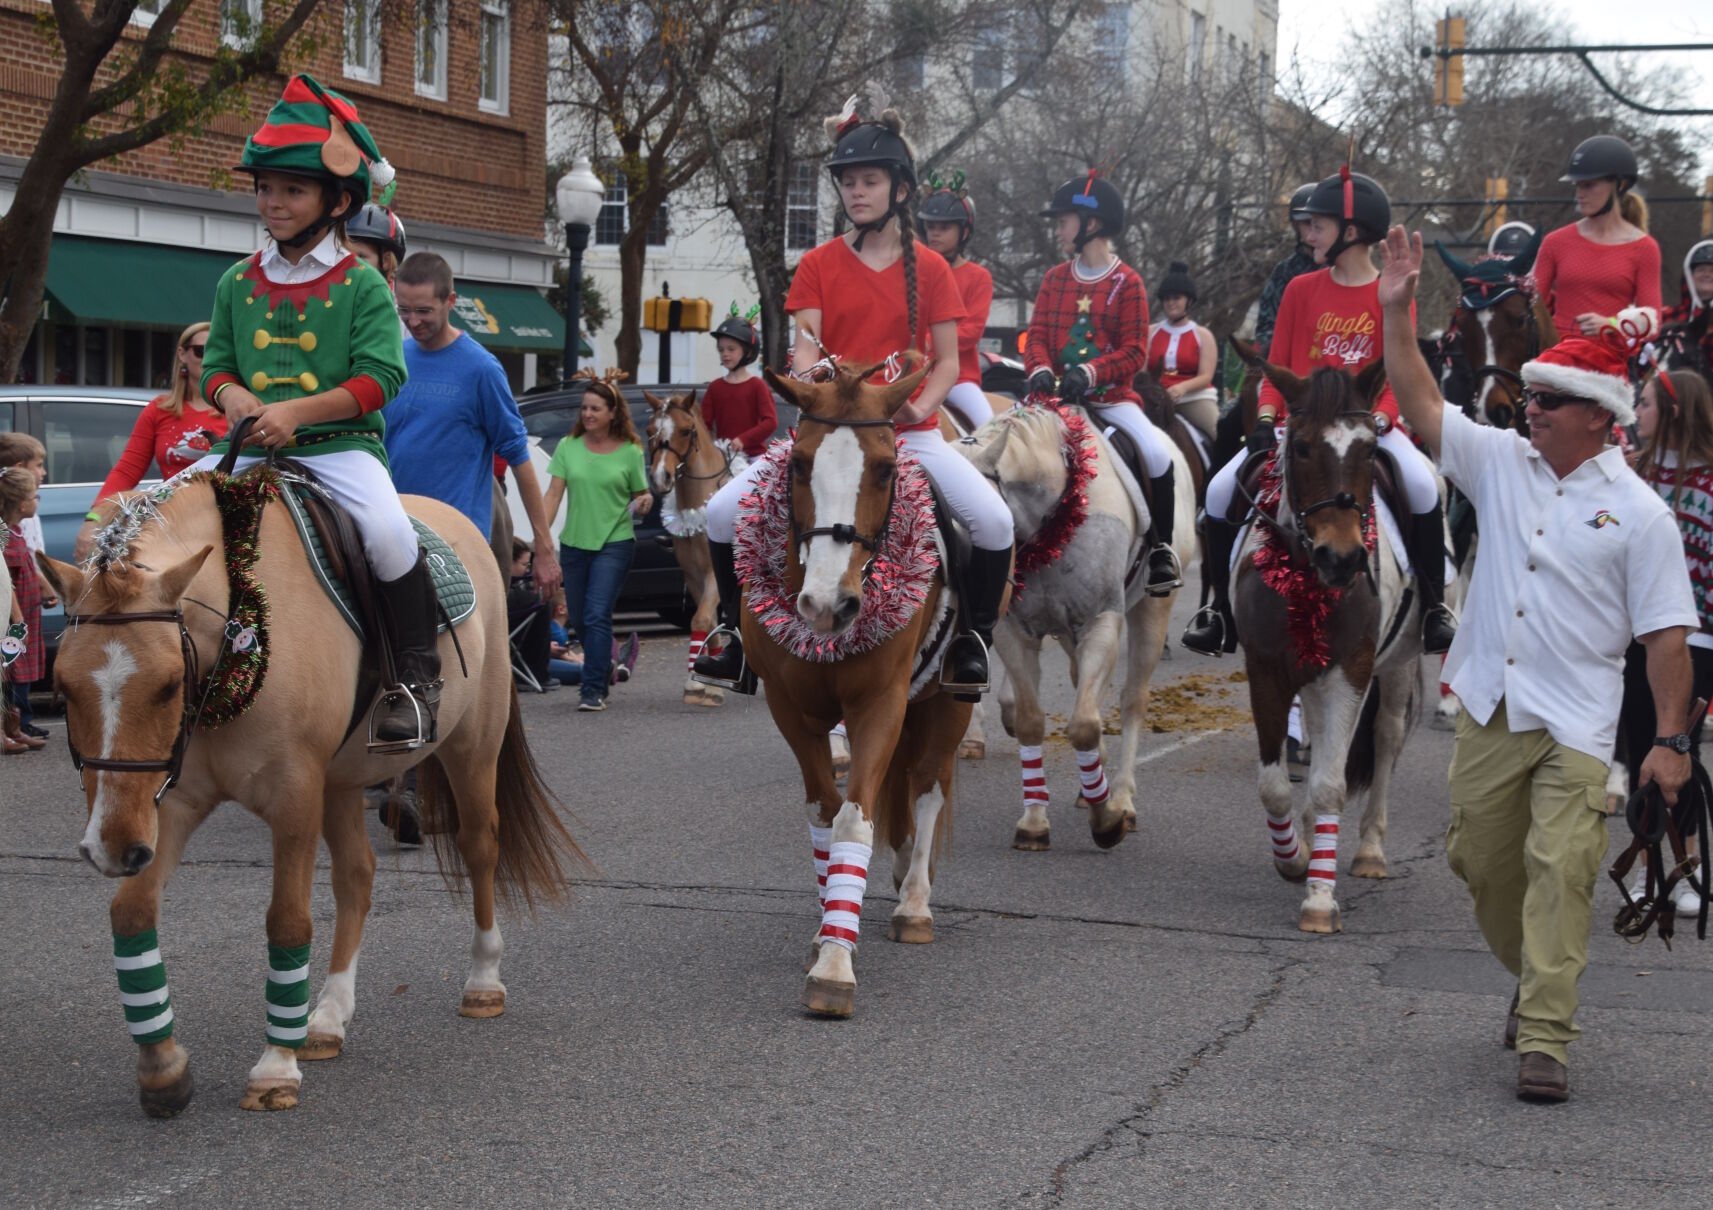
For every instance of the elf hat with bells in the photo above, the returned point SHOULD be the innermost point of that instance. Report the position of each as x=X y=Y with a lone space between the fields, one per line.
x=313 y=131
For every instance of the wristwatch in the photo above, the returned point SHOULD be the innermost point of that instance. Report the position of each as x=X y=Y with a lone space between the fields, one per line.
x=1677 y=743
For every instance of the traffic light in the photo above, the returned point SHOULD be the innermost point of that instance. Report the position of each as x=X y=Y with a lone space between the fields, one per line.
x=677 y=314
x=1448 y=68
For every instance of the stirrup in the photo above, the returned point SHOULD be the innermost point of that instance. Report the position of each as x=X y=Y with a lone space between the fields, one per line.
x=962 y=688
x=1162 y=589
x=1206 y=616
x=743 y=682
x=422 y=699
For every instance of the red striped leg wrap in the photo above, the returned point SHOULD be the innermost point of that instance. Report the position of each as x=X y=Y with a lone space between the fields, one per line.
x=820 y=843
x=1323 y=858
x=1034 y=776
x=1284 y=836
x=847 y=878
x=1093 y=777
x=697 y=638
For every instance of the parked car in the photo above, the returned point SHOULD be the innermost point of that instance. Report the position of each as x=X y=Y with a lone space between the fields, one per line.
x=655 y=583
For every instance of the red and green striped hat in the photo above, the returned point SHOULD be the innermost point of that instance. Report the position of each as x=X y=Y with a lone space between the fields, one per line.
x=313 y=131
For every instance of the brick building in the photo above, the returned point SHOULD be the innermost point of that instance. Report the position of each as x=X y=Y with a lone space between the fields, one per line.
x=456 y=102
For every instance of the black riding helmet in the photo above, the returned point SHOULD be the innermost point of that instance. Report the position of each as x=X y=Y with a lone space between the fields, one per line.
x=879 y=144
x=1299 y=199
x=1089 y=197
x=379 y=226
x=1604 y=157
x=741 y=329
x=1354 y=200
x=1701 y=254
x=1177 y=281
x=1511 y=239
x=947 y=204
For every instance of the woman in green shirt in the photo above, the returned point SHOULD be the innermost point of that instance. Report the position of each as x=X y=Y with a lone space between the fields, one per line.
x=600 y=468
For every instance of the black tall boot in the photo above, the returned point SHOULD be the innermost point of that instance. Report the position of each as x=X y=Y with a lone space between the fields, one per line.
x=964 y=671
x=1213 y=631
x=406 y=716
x=1165 y=574
x=721 y=662
x=1426 y=543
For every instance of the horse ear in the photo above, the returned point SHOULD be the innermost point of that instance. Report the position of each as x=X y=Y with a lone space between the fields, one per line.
x=655 y=403
x=793 y=391
x=897 y=394
x=66 y=579
x=1287 y=383
x=177 y=578
x=1246 y=351
x=690 y=401
x=1371 y=381
x=1459 y=270
x=1520 y=264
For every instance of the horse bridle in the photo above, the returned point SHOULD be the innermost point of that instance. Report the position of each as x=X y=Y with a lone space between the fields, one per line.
x=848 y=534
x=682 y=470
x=1297 y=530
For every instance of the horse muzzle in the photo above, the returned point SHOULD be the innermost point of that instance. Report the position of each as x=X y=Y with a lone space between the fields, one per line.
x=132 y=862
x=1337 y=568
x=829 y=617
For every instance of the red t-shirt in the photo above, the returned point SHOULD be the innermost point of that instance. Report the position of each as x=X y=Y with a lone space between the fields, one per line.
x=1174 y=356
x=863 y=314
x=975 y=284
x=740 y=411
x=1322 y=323
x=1577 y=276
x=158 y=437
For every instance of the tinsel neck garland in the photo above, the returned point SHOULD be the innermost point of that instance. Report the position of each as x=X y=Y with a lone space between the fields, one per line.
x=1082 y=460
x=1309 y=604
x=897 y=585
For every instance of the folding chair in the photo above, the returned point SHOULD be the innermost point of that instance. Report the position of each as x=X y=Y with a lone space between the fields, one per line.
x=528 y=639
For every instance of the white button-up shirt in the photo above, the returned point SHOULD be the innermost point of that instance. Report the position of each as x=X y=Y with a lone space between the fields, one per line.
x=1567 y=572
x=318 y=260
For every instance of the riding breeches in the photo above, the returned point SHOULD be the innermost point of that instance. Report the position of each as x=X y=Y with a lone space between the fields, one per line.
x=1415 y=476
x=969 y=401
x=969 y=495
x=1200 y=410
x=1156 y=447
x=359 y=482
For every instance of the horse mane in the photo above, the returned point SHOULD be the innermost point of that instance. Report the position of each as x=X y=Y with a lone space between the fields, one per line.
x=1156 y=401
x=111 y=576
x=1326 y=394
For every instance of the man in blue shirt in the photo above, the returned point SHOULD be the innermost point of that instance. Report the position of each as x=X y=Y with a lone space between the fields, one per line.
x=455 y=414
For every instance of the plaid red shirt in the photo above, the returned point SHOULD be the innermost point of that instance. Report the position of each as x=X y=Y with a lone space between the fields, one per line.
x=27 y=591
x=1117 y=312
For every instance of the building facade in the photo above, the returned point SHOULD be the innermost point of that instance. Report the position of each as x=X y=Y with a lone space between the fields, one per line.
x=456 y=101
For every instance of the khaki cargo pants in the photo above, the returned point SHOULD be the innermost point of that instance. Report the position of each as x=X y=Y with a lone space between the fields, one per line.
x=1528 y=835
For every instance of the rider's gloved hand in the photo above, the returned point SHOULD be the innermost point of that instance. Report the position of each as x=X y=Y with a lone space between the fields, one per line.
x=1262 y=438
x=1042 y=382
x=1076 y=383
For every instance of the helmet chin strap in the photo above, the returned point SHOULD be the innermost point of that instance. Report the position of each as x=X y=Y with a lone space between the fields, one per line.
x=1611 y=199
x=863 y=229
x=311 y=233
x=1083 y=235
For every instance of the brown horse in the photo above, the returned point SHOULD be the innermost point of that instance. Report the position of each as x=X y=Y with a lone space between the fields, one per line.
x=842 y=470
x=685 y=461
x=1326 y=616
x=150 y=636
x=1499 y=323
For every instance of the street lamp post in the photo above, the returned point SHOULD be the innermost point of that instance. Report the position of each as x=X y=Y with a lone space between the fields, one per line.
x=579 y=194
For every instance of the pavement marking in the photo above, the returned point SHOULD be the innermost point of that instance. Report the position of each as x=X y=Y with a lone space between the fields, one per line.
x=1189 y=741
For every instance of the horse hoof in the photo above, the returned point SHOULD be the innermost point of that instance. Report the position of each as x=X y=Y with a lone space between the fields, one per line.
x=973 y=749
x=1031 y=842
x=1130 y=821
x=913 y=930
x=1321 y=920
x=484 y=1003
x=1292 y=871
x=1365 y=866
x=269 y=1095
x=1107 y=837
x=167 y=1100
x=825 y=998
x=320 y=1046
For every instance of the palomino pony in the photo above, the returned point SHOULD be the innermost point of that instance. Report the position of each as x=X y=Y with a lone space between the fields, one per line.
x=685 y=461
x=1326 y=612
x=160 y=621
x=1081 y=523
x=840 y=555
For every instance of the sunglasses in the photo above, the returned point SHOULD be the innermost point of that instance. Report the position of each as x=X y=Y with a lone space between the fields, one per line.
x=196 y=350
x=1549 y=402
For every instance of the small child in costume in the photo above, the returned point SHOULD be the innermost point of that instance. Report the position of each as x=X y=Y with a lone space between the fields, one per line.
x=738 y=406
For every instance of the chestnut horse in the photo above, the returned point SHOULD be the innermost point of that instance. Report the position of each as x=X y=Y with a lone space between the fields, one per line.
x=1333 y=621
x=150 y=634
x=843 y=463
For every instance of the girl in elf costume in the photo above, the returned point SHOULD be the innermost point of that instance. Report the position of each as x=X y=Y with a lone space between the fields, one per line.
x=865 y=296
x=945 y=222
x=1332 y=317
x=1088 y=339
x=305 y=338
x=738 y=407
x=1182 y=355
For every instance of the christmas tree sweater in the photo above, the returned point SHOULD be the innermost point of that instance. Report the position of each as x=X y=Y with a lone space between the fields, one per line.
x=1102 y=324
x=283 y=342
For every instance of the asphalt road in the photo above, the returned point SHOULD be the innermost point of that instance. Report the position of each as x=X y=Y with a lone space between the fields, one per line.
x=1091 y=1029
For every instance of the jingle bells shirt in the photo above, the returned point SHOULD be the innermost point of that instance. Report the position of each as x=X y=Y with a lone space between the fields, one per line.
x=1322 y=323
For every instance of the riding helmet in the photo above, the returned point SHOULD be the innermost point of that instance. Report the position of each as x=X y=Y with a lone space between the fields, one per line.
x=1089 y=197
x=1510 y=239
x=741 y=329
x=379 y=226
x=1299 y=199
x=1603 y=156
x=876 y=144
x=947 y=206
x=1367 y=208
x=1177 y=281
x=1701 y=254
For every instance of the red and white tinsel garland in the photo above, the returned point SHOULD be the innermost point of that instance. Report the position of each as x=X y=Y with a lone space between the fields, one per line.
x=897 y=585
x=1082 y=460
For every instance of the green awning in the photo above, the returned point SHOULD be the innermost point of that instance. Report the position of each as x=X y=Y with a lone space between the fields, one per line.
x=513 y=319
x=108 y=281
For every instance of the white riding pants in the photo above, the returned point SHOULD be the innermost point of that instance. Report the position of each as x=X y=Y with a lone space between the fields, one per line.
x=1156 y=447
x=969 y=401
x=361 y=485
x=969 y=495
x=1419 y=483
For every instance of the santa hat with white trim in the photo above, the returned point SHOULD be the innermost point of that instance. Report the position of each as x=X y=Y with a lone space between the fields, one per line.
x=1595 y=370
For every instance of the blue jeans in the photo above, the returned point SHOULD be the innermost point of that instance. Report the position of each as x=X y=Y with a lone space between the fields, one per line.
x=592 y=582
x=19 y=691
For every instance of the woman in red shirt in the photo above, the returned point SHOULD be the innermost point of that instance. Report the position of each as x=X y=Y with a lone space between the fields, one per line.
x=1182 y=355
x=1606 y=261
x=865 y=296
x=175 y=430
x=1332 y=317
x=945 y=223
x=738 y=407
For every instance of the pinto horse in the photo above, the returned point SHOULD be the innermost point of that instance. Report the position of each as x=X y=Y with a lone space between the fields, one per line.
x=151 y=638
x=843 y=469
x=685 y=462
x=1499 y=324
x=1328 y=615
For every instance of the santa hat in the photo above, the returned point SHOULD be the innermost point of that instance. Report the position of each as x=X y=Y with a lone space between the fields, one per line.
x=1595 y=370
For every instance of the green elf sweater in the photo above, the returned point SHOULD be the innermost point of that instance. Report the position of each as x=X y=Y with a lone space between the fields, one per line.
x=284 y=342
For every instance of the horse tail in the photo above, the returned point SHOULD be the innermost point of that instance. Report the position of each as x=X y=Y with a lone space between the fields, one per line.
x=1364 y=754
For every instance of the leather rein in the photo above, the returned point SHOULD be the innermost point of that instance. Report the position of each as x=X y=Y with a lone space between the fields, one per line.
x=681 y=472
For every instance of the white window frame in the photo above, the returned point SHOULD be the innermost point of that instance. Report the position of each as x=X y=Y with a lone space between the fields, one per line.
x=796 y=204
x=145 y=18
x=435 y=88
x=252 y=10
x=501 y=101
x=1197 y=44
x=370 y=72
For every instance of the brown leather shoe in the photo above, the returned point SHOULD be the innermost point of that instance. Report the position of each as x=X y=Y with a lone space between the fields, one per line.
x=1512 y=1020
x=1541 y=1077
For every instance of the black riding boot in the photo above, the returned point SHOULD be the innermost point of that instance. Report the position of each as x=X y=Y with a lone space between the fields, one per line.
x=1213 y=631
x=723 y=664
x=964 y=671
x=406 y=714
x=1426 y=544
x=1165 y=574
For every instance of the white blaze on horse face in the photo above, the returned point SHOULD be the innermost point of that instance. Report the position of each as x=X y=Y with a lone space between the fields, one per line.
x=663 y=433
x=1342 y=436
x=1484 y=317
x=109 y=679
x=834 y=483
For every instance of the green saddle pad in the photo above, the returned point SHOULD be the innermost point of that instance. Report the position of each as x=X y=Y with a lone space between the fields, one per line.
x=451 y=578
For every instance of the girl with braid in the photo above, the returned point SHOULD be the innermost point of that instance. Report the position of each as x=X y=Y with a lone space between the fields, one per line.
x=864 y=296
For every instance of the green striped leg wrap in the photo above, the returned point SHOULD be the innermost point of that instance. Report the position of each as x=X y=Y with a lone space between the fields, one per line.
x=143 y=986
x=288 y=995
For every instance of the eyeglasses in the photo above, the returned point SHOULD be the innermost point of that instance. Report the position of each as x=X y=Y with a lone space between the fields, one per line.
x=196 y=350
x=1548 y=402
